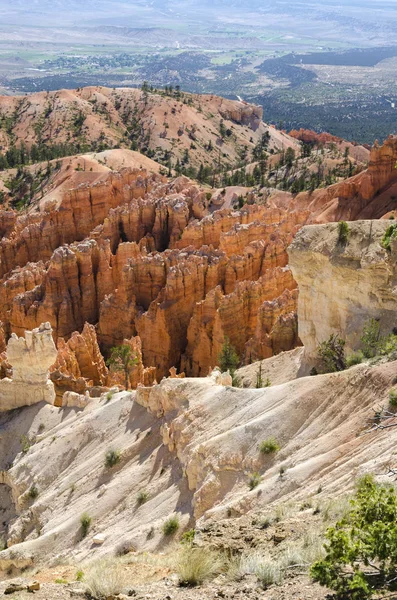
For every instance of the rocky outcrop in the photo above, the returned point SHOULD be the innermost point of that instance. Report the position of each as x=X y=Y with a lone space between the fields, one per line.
x=80 y=366
x=342 y=286
x=366 y=195
x=30 y=358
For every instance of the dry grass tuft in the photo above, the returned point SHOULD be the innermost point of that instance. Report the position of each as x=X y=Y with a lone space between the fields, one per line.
x=266 y=569
x=196 y=565
x=104 y=578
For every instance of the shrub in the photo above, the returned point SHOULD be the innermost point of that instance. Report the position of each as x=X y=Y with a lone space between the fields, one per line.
x=125 y=547
x=228 y=357
x=171 y=525
x=25 y=443
x=254 y=480
x=61 y=581
x=112 y=457
x=105 y=578
x=80 y=575
x=122 y=358
x=188 y=536
x=391 y=233
x=85 y=521
x=269 y=446
x=343 y=233
x=370 y=338
x=266 y=522
x=109 y=395
x=355 y=358
x=33 y=492
x=142 y=497
x=361 y=553
x=292 y=555
x=259 y=379
x=393 y=398
x=331 y=353
x=196 y=565
x=388 y=345
x=263 y=567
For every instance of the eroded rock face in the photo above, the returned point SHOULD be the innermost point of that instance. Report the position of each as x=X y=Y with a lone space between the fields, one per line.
x=341 y=287
x=30 y=358
x=145 y=259
x=154 y=266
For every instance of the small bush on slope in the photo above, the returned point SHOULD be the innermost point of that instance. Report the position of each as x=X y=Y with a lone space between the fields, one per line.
x=105 y=578
x=267 y=570
x=269 y=446
x=112 y=457
x=85 y=521
x=361 y=553
x=355 y=358
x=331 y=353
x=393 y=398
x=196 y=565
x=343 y=233
x=171 y=525
x=391 y=233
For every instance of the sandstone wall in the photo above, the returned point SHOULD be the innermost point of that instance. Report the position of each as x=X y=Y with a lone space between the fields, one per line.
x=341 y=287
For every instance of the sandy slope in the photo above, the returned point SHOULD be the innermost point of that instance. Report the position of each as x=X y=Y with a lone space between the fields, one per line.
x=212 y=433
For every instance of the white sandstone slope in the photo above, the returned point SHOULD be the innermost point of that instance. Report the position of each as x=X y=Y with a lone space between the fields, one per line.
x=195 y=459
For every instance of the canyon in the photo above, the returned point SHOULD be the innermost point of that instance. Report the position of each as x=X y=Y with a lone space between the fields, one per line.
x=143 y=257
x=120 y=253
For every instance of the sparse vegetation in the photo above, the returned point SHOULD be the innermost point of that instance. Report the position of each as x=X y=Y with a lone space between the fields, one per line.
x=196 y=565
x=105 y=578
x=254 y=480
x=355 y=358
x=229 y=360
x=123 y=359
x=171 y=525
x=370 y=338
x=228 y=357
x=390 y=234
x=85 y=522
x=331 y=354
x=393 y=398
x=109 y=395
x=112 y=457
x=361 y=553
x=267 y=570
x=188 y=536
x=33 y=492
x=343 y=233
x=142 y=497
x=269 y=446
x=25 y=443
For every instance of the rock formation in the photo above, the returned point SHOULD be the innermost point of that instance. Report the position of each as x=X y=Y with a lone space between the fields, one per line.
x=138 y=256
x=342 y=286
x=30 y=359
